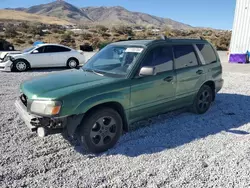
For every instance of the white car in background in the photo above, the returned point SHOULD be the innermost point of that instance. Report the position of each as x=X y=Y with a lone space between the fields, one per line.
x=43 y=55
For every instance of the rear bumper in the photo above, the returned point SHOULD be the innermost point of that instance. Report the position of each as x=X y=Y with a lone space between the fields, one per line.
x=218 y=85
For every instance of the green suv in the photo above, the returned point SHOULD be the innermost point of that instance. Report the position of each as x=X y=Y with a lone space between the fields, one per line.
x=123 y=83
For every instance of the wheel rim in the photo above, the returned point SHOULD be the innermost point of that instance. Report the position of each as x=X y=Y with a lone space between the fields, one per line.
x=103 y=131
x=72 y=63
x=204 y=100
x=21 y=66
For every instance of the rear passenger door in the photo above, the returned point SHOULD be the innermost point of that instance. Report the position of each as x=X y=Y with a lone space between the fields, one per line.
x=190 y=73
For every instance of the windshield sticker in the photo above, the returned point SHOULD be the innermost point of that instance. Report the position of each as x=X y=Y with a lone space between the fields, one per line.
x=134 y=50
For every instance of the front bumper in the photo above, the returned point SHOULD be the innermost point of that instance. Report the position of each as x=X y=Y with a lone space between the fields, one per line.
x=53 y=125
x=25 y=116
x=6 y=66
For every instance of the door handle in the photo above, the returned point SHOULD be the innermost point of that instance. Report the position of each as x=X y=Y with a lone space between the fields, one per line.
x=168 y=79
x=199 y=72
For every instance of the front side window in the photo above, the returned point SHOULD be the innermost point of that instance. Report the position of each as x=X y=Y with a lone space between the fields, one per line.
x=114 y=60
x=55 y=49
x=207 y=52
x=161 y=58
x=40 y=50
x=185 y=56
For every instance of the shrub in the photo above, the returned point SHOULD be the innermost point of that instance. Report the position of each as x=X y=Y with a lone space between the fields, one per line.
x=101 y=29
x=35 y=29
x=10 y=31
x=19 y=41
x=86 y=36
x=123 y=30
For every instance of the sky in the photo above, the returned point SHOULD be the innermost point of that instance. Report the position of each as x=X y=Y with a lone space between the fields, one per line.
x=218 y=14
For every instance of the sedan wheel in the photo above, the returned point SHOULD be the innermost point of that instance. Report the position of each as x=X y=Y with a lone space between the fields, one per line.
x=21 y=66
x=72 y=63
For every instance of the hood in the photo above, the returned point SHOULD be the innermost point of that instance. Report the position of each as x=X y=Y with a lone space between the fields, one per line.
x=57 y=85
x=13 y=54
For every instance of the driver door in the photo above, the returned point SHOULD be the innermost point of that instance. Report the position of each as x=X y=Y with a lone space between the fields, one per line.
x=37 y=57
x=152 y=95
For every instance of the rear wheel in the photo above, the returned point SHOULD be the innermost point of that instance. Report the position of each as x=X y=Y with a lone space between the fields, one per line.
x=203 y=100
x=100 y=130
x=72 y=63
x=21 y=65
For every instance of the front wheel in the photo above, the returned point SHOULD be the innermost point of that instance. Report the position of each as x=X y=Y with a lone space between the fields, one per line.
x=21 y=65
x=203 y=100
x=100 y=130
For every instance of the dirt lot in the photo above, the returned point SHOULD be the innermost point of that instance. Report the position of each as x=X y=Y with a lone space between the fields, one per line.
x=177 y=149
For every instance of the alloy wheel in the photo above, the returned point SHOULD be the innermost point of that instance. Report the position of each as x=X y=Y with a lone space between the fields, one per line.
x=103 y=131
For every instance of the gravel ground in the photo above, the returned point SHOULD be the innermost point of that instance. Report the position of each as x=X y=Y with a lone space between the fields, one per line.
x=177 y=149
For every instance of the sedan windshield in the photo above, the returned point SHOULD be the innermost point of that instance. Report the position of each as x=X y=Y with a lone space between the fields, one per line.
x=29 y=49
x=114 y=60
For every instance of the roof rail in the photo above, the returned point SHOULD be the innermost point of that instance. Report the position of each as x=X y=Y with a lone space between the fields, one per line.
x=164 y=37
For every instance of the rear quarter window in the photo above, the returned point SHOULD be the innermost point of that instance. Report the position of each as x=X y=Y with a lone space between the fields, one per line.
x=207 y=52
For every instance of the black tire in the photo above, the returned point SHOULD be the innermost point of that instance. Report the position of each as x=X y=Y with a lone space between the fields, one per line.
x=21 y=65
x=97 y=138
x=72 y=63
x=203 y=100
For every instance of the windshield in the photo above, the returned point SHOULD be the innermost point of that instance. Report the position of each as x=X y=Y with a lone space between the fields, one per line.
x=114 y=60
x=28 y=49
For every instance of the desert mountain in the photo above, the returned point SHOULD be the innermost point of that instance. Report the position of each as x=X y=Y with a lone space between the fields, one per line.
x=101 y=15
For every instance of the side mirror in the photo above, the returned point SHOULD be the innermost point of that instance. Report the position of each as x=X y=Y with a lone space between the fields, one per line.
x=147 y=71
x=35 y=52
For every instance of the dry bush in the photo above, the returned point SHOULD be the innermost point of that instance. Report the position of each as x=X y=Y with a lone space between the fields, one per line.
x=123 y=30
x=86 y=36
x=101 y=29
x=10 y=31
x=19 y=41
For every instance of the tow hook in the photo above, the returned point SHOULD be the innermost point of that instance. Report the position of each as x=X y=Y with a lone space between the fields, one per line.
x=42 y=132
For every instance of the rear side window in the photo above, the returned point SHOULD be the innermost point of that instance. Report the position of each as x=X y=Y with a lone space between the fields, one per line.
x=207 y=52
x=185 y=56
x=161 y=58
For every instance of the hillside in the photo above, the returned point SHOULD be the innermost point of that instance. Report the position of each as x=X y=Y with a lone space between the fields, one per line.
x=23 y=16
x=60 y=9
x=101 y=15
x=120 y=15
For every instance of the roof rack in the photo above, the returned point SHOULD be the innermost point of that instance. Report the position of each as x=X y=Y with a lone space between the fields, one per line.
x=163 y=37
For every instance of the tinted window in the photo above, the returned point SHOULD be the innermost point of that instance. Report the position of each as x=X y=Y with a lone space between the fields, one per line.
x=184 y=56
x=53 y=49
x=40 y=50
x=207 y=52
x=161 y=58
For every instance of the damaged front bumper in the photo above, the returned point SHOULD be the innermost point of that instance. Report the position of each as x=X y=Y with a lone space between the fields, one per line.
x=51 y=125
x=6 y=66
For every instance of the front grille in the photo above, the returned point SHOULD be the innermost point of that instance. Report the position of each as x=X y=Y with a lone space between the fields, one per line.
x=24 y=99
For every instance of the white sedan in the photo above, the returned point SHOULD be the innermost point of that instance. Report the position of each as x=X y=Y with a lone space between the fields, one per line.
x=43 y=55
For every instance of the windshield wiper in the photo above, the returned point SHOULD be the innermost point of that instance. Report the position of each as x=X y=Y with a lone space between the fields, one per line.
x=94 y=71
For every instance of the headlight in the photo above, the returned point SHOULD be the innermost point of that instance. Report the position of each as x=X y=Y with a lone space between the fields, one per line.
x=45 y=107
x=9 y=58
